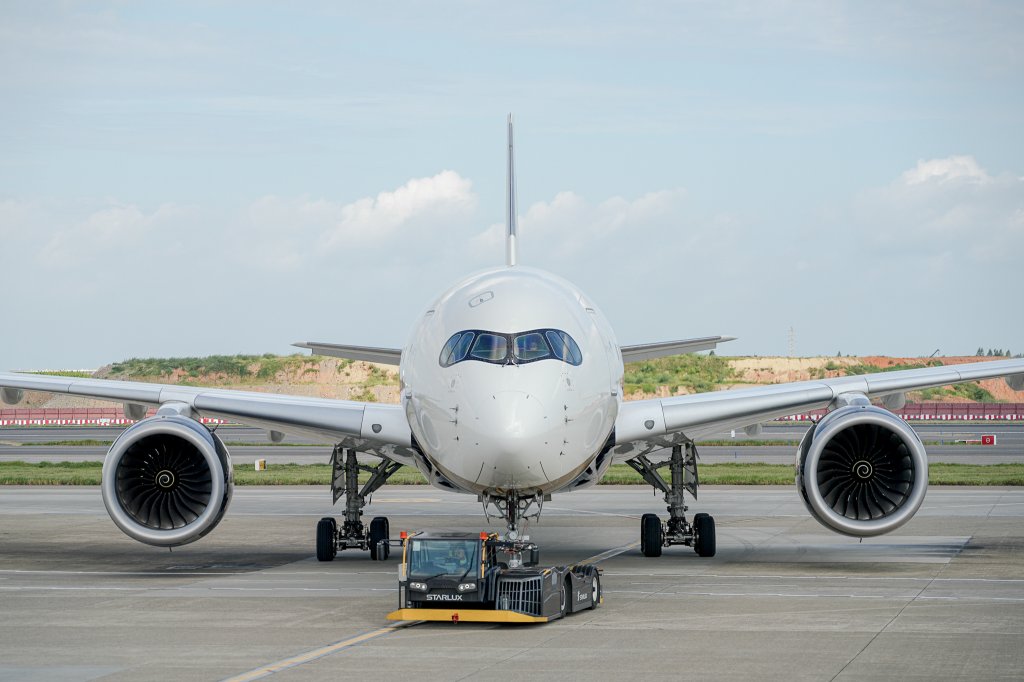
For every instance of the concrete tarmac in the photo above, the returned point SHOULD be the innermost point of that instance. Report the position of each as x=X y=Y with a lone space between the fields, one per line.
x=941 y=598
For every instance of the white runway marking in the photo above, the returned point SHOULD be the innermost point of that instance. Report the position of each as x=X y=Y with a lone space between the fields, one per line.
x=812 y=577
x=798 y=595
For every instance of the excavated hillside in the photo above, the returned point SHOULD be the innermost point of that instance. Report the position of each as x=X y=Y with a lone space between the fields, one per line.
x=348 y=380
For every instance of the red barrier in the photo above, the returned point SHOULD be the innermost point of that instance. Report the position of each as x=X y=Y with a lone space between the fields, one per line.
x=114 y=416
x=75 y=416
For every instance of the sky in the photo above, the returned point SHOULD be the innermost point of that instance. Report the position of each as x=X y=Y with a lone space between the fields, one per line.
x=209 y=178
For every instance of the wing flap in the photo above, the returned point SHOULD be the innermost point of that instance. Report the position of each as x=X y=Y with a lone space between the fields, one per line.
x=384 y=356
x=649 y=351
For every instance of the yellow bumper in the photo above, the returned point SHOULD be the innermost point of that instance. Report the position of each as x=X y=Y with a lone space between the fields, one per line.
x=465 y=616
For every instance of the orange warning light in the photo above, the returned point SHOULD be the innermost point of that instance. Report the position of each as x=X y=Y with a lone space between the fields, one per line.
x=403 y=535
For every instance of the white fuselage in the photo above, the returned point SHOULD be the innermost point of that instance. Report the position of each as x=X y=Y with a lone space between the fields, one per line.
x=499 y=426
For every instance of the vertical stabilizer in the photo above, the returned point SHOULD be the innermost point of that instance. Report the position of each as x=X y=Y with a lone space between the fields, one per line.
x=511 y=228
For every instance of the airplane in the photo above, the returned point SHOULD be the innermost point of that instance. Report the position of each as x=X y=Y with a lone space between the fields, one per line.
x=511 y=390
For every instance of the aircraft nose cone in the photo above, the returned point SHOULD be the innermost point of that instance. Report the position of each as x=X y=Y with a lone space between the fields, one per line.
x=512 y=419
x=518 y=435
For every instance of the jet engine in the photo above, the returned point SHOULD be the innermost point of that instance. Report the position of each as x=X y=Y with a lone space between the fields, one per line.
x=862 y=471
x=167 y=481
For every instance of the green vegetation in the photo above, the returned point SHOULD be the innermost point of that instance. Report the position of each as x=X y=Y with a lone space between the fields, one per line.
x=233 y=444
x=975 y=474
x=715 y=474
x=871 y=369
x=241 y=367
x=50 y=473
x=73 y=373
x=971 y=391
x=88 y=473
x=380 y=377
x=699 y=373
x=68 y=443
x=745 y=443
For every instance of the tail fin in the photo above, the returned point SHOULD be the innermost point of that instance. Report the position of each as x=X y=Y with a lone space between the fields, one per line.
x=511 y=227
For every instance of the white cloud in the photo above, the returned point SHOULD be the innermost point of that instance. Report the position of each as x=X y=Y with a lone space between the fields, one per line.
x=949 y=207
x=569 y=224
x=286 y=233
x=379 y=218
x=116 y=229
x=963 y=168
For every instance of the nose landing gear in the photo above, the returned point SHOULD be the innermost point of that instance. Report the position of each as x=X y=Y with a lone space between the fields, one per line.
x=654 y=535
x=353 y=534
x=515 y=509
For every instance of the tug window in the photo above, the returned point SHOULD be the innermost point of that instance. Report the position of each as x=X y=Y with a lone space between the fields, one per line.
x=436 y=558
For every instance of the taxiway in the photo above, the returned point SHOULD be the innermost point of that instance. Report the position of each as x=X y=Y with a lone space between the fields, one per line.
x=943 y=597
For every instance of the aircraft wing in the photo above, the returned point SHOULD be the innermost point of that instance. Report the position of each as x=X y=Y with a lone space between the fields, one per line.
x=384 y=356
x=368 y=427
x=644 y=425
x=648 y=351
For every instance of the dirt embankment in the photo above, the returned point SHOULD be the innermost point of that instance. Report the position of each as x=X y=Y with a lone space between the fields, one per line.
x=364 y=381
x=319 y=377
x=753 y=371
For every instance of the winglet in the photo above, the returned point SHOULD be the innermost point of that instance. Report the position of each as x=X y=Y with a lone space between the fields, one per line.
x=510 y=204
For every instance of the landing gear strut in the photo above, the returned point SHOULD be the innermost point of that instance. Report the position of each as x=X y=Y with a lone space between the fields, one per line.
x=515 y=509
x=676 y=531
x=353 y=534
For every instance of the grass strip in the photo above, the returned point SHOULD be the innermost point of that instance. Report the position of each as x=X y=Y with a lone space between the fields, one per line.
x=67 y=443
x=88 y=473
x=721 y=443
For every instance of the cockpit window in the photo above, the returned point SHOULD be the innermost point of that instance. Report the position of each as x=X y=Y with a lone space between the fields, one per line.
x=489 y=348
x=456 y=348
x=531 y=346
x=510 y=349
x=563 y=347
x=446 y=352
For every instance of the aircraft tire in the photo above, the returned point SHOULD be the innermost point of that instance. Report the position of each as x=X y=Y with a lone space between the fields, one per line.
x=704 y=524
x=650 y=535
x=379 y=530
x=326 y=550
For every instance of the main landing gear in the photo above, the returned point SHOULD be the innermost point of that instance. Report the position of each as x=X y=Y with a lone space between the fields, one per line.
x=654 y=535
x=353 y=534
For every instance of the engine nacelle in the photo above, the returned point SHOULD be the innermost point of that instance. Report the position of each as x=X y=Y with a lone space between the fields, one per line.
x=862 y=471
x=167 y=481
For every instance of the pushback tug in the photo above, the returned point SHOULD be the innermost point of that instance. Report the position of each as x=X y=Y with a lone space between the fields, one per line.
x=484 y=578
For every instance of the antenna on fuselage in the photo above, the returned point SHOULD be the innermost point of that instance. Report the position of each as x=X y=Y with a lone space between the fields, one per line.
x=511 y=226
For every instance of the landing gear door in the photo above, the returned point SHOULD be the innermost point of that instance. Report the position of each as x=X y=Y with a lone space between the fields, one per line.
x=690 y=480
